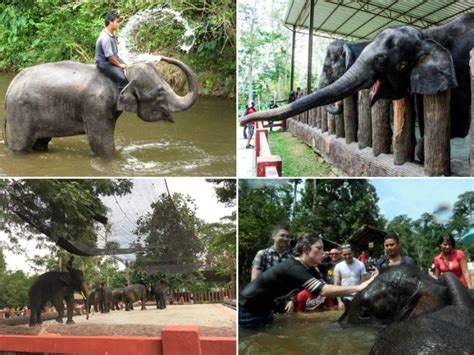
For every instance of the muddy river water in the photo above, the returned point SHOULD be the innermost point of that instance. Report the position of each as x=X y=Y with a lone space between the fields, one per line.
x=201 y=142
x=310 y=333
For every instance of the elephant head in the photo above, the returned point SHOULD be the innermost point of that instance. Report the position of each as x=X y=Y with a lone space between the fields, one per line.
x=151 y=97
x=397 y=60
x=403 y=292
x=340 y=55
x=74 y=279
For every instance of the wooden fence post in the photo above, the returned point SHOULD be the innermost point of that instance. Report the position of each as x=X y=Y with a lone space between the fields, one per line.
x=339 y=121
x=350 y=119
x=364 y=131
x=381 y=131
x=317 y=118
x=403 y=132
x=324 y=119
x=471 y=159
x=331 y=122
x=437 y=133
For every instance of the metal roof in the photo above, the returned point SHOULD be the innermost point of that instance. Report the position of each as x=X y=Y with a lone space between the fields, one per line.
x=364 y=19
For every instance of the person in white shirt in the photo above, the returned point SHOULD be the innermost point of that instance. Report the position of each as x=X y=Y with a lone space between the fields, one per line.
x=350 y=272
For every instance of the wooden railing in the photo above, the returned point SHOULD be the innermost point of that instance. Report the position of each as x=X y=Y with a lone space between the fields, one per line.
x=202 y=296
x=370 y=128
x=268 y=165
x=173 y=340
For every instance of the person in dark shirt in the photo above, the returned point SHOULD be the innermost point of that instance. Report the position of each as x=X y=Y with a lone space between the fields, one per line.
x=393 y=249
x=256 y=299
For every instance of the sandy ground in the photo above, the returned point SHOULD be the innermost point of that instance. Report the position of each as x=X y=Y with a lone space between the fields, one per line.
x=213 y=320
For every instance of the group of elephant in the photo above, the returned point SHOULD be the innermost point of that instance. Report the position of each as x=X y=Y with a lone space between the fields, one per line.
x=59 y=286
x=417 y=314
x=403 y=62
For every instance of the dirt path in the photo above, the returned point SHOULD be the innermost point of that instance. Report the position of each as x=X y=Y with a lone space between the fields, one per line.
x=213 y=320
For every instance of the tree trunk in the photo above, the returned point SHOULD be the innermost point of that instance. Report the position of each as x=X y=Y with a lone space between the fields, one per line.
x=472 y=112
x=381 y=131
x=404 y=132
x=350 y=118
x=437 y=133
x=364 y=131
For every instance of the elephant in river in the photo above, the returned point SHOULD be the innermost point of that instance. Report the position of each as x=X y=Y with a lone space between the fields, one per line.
x=404 y=292
x=56 y=287
x=67 y=98
x=340 y=55
x=133 y=293
x=399 y=61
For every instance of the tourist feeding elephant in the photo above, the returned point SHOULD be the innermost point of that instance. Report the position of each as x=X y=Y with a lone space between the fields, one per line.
x=67 y=98
x=56 y=287
x=399 y=61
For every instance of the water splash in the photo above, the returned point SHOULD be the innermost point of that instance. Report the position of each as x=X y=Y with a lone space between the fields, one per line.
x=186 y=43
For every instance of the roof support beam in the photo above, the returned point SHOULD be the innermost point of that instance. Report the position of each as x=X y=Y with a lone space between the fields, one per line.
x=293 y=42
x=310 y=47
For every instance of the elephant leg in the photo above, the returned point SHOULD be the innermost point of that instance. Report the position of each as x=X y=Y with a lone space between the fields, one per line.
x=70 y=308
x=58 y=304
x=19 y=140
x=101 y=138
x=143 y=302
x=41 y=144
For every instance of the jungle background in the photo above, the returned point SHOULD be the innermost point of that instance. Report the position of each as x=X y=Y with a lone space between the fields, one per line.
x=74 y=208
x=39 y=31
x=335 y=209
x=264 y=48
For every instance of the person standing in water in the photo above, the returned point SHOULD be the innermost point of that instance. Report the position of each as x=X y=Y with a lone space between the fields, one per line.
x=257 y=298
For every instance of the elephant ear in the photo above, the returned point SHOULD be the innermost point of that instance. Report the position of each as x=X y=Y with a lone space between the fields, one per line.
x=66 y=278
x=433 y=71
x=349 y=54
x=128 y=100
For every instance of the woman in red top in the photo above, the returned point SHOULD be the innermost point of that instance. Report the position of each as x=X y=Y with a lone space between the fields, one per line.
x=452 y=260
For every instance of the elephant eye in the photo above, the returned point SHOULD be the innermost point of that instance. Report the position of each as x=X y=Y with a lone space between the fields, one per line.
x=402 y=67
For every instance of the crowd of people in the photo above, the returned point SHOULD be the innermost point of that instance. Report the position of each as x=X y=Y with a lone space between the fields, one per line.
x=310 y=279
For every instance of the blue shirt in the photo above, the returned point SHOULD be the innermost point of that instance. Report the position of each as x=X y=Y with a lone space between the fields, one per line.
x=106 y=46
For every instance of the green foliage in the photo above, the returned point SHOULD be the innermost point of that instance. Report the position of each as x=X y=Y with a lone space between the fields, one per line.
x=39 y=31
x=300 y=160
x=57 y=208
x=225 y=190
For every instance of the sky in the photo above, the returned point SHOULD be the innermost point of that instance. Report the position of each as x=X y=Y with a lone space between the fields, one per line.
x=414 y=197
x=124 y=212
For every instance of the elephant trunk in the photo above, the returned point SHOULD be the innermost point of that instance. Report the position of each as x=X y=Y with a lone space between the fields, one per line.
x=178 y=103
x=359 y=76
x=335 y=108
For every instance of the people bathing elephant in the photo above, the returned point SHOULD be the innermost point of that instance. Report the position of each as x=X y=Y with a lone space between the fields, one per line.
x=56 y=287
x=404 y=292
x=340 y=55
x=399 y=61
x=134 y=293
x=67 y=98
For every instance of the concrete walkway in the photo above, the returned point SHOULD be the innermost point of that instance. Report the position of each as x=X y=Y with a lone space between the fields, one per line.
x=246 y=164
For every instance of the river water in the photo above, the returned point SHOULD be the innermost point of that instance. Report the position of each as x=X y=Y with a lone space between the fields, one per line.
x=309 y=333
x=201 y=142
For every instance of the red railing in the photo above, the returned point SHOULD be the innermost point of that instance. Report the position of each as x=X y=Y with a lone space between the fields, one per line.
x=174 y=340
x=268 y=165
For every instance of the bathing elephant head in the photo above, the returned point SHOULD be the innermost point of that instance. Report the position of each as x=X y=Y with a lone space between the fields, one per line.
x=151 y=97
x=399 y=61
x=404 y=292
x=340 y=55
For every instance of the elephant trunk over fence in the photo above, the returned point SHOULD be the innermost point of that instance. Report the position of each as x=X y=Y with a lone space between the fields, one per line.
x=359 y=76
